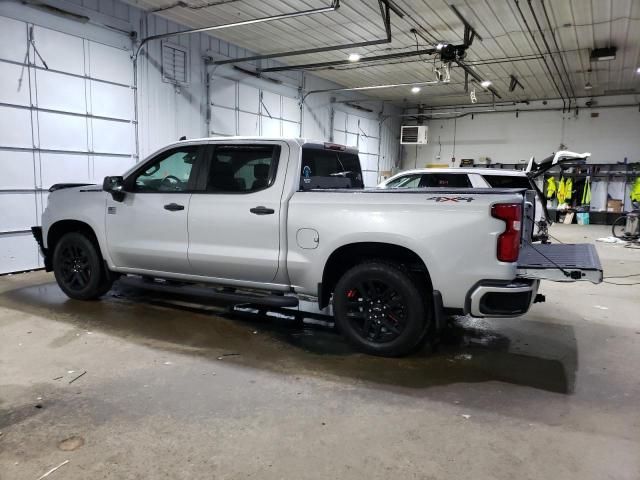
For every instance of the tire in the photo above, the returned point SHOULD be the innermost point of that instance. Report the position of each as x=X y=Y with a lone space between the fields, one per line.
x=618 y=227
x=79 y=268
x=381 y=310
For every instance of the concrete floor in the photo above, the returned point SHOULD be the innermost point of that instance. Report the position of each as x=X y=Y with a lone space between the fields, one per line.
x=552 y=395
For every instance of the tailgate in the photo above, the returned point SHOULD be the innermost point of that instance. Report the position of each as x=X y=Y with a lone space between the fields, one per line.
x=560 y=262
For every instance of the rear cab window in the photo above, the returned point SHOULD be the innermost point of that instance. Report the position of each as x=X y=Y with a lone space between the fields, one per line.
x=329 y=167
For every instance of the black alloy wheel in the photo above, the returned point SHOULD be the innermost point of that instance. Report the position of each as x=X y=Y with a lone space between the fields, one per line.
x=376 y=310
x=75 y=268
x=382 y=309
x=79 y=268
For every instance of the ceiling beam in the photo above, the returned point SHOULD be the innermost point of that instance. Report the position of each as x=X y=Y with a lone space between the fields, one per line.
x=335 y=4
x=337 y=63
x=385 y=9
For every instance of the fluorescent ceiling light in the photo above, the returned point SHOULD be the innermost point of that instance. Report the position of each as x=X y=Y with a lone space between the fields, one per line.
x=440 y=46
x=485 y=83
x=354 y=57
x=588 y=86
x=415 y=89
x=638 y=70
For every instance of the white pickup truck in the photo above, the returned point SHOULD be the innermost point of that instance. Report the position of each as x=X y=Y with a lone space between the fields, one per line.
x=270 y=221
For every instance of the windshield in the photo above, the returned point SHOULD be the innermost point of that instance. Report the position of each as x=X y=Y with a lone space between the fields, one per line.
x=507 y=181
x=322 y=168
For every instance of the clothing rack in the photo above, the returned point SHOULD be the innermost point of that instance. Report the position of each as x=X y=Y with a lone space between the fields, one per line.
x=624 y=173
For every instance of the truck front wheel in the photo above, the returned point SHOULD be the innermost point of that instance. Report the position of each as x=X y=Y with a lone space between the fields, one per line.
x=381 y=309
x=78 y=267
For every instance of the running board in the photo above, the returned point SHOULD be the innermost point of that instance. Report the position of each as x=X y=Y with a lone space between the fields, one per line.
x=560 y=262
x=194 y=292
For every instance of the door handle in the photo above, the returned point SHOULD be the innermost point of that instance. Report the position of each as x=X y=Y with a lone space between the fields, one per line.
x=173 y=207
x=262 y=210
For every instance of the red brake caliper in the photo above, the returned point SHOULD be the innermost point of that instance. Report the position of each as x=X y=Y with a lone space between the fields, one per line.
x=352 y=293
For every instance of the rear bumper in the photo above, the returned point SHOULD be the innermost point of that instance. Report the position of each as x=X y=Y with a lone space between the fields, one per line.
x=37 y=234
x=499 y=298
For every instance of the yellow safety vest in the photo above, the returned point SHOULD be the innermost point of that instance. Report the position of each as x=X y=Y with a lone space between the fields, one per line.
x=561 y=191
x=568 y=188
x=634 y=194
x=551 y=187
x=586 y=193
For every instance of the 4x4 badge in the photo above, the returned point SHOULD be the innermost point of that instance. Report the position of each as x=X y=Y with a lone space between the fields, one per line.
x=452 y=199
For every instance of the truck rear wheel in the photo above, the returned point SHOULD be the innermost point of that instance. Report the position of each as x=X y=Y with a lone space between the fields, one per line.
x=78 y=267
x=381 y=309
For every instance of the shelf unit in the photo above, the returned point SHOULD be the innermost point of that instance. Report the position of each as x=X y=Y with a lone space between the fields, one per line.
x=622 y=173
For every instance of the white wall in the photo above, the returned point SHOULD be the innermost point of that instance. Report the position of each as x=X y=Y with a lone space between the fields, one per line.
x=165 y=112
x=510 y=138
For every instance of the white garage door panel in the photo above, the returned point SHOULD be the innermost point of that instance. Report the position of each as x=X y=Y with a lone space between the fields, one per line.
x=223 y=121
x=18 y=252
x=290 y=129
x=108 y=166
x=62 y=132
x=109 y=63
x=352 y=124
x=248 y=98
x=352 y=139
x=18 y=211
x=363 y=144
x=63 y=168
x=12 y=90
x=56 y=91
x=270 y=127
x=15 y=127
x=223 y=92
x=340 y=121
x=370 y=179
x=248 y=124
x=371 y=128
x=17 y=170
x=61 y=51
x=17 y=31
x=339 y=137
x=271 y=102
x=85 y=80
x=290 y=109
x=112 y=137
x=108 y=100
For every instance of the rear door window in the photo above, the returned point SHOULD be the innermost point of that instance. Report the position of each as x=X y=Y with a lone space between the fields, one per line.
x=242 y=168
x=323 y=168
x=445 y=180
x=507 y=181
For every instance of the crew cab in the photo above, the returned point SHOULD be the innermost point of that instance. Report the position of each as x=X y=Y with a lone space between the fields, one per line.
x=271 y=221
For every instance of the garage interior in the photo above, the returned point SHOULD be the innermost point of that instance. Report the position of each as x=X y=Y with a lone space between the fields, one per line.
x=141 y=385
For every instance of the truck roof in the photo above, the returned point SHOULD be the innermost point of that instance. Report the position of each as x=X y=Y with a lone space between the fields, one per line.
x=298 y=140
x=480 y=171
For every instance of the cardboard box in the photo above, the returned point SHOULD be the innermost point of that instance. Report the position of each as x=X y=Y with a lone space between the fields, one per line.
x=614 y=206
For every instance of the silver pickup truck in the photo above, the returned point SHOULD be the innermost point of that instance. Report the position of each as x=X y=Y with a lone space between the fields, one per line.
x=271 y=221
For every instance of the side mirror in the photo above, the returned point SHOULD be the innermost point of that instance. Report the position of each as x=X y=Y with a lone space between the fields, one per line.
x=115 y=186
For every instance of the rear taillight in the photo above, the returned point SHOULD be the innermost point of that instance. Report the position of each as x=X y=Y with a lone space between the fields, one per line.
x=509 y=240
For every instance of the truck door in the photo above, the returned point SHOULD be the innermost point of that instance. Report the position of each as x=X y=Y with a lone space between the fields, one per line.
x=235 y=223
x=148 y=229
